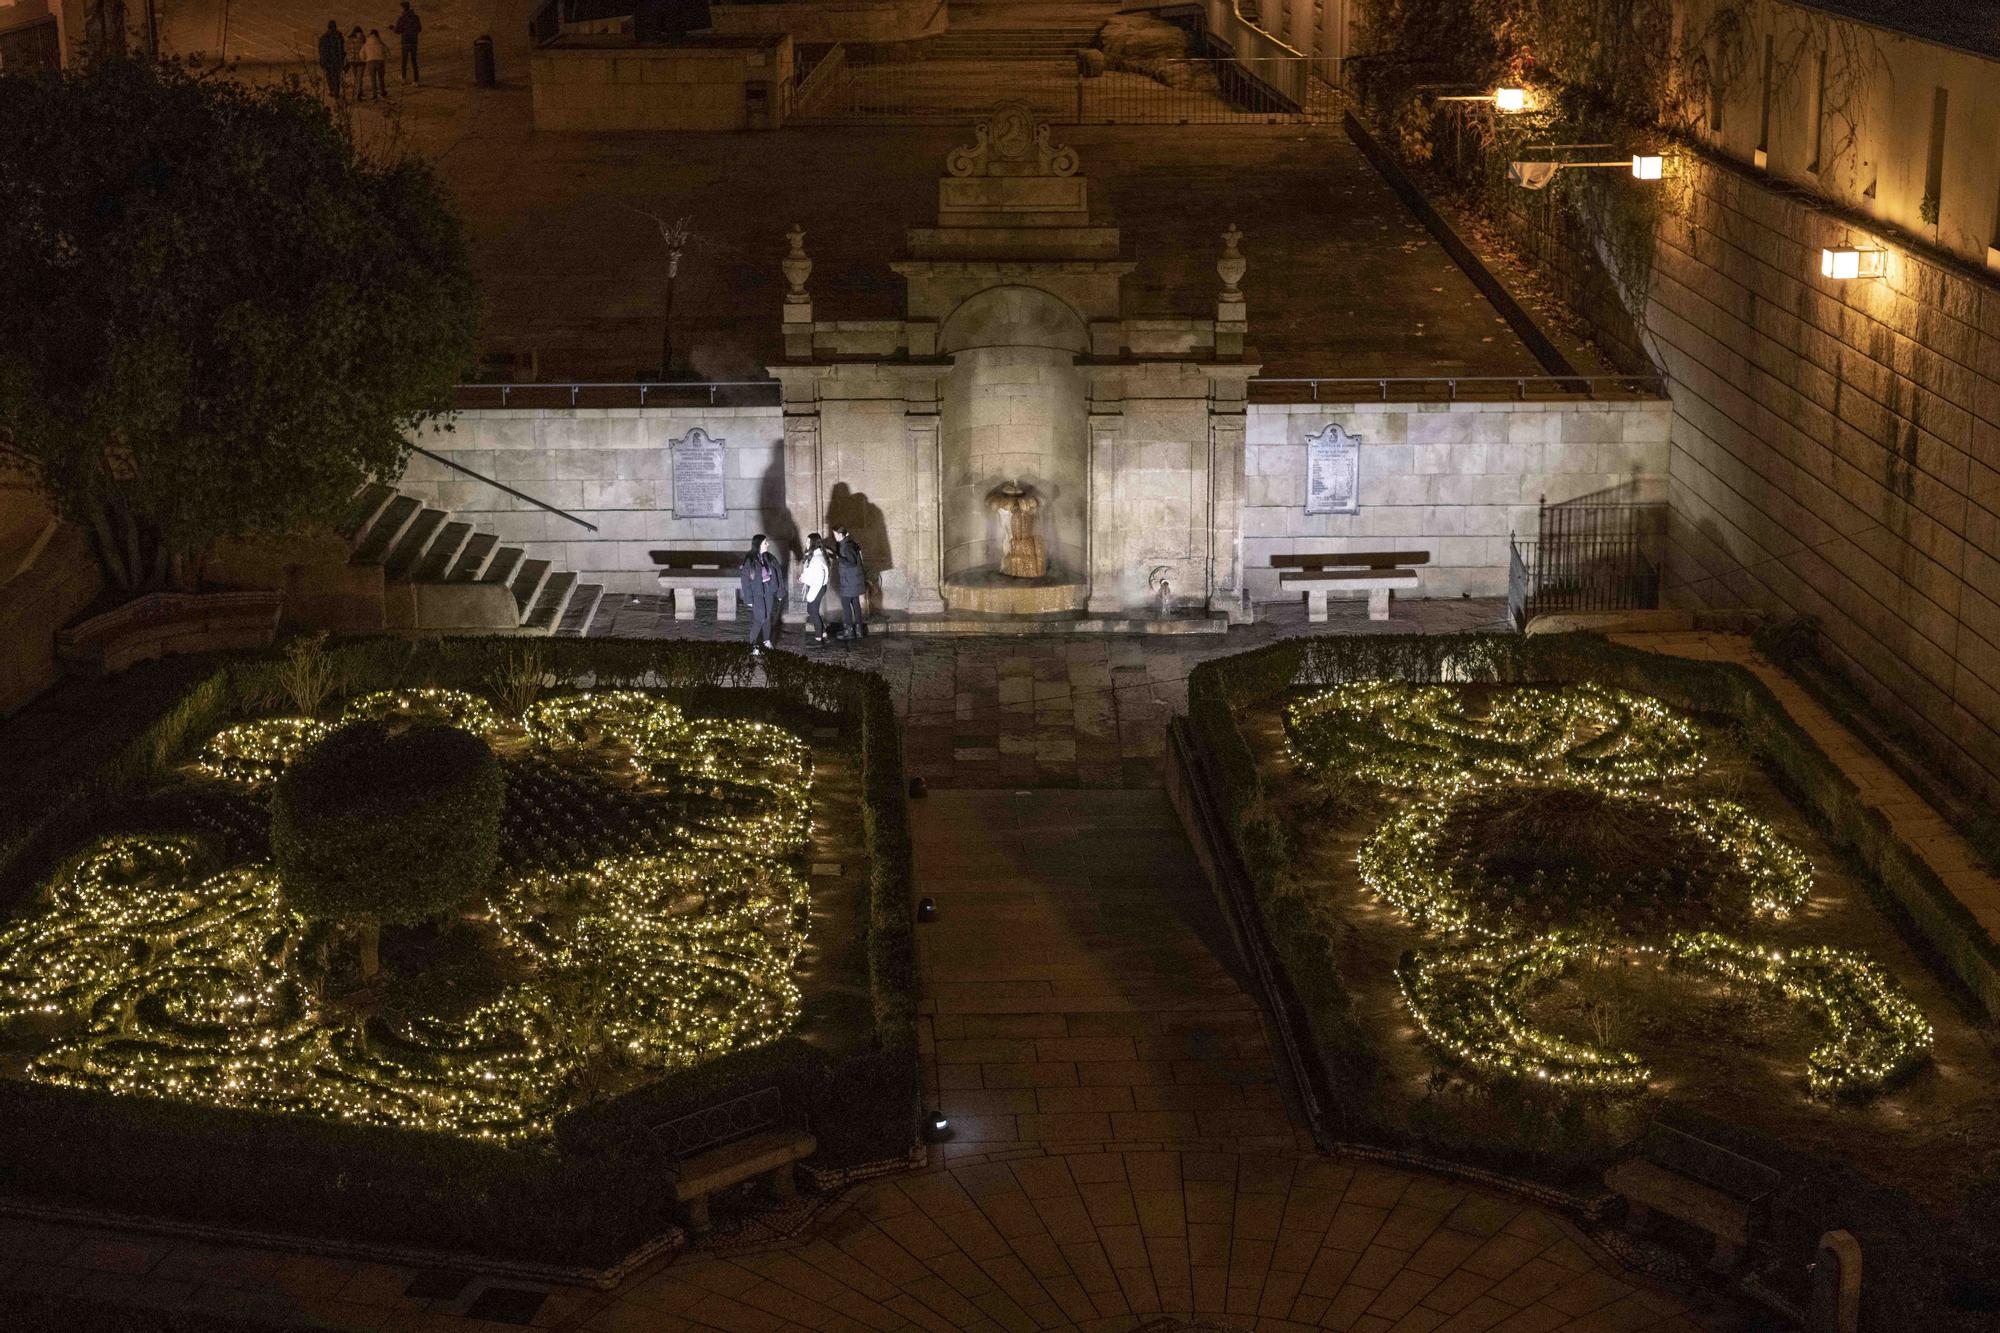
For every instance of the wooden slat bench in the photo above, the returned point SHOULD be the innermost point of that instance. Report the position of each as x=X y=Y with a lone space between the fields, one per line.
x=729 y=1143
x=686 y=573
x=1375 y=572
x=1702 y=1183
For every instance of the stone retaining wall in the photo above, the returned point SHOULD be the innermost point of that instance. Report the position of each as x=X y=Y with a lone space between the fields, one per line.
x=1836 y=450
x=611 y=467
x=1449 y=478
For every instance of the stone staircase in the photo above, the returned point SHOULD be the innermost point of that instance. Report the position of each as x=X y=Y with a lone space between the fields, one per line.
x=416 y=544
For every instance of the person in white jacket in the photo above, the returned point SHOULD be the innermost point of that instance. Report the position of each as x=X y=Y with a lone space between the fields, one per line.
x=814 y=573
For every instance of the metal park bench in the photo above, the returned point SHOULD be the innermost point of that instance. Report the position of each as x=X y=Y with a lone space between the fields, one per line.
x=685 y=573
x=1375 y=572
x=729 y=1143
x=1724 y=1193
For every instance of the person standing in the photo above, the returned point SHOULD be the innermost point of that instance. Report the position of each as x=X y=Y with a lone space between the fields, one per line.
x=763 y=584
x=851 y=580
x=407 y=26
x=356 y=62
x=332 y=58
x=814 y=574
x=377 y=55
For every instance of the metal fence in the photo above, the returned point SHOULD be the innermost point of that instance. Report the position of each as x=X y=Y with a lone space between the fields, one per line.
x=1581 y=574
x=893 y=85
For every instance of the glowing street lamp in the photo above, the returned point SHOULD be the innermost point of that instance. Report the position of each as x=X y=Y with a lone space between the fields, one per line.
x=1510 y=100
x=1647 y=166
x=1842 y=263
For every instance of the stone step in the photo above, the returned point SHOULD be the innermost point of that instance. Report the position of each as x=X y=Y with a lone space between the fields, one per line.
x=364 y=509
x=505 y=564
x=442 y=557
x=472 y=561
x=546 y=615
x=381 y=536
x=409 y=549
x=527 y=584
x=582 y=613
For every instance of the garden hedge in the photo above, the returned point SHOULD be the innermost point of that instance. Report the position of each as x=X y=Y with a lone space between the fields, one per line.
x=595 y=1193
x=1821 y=1195
x=370 y=827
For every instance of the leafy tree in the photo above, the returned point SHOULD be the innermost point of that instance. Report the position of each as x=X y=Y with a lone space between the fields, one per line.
x=216 y=318
x=369 y=828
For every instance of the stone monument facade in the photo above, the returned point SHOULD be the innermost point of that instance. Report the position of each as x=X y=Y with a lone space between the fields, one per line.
x=1016 y=365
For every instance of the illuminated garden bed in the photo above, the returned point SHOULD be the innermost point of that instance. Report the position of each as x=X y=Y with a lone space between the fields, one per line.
x=646 y=914
x=689 y=880
x=1532 y=893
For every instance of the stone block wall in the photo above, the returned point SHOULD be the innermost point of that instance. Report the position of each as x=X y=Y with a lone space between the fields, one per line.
x=835 y=20
x=605 y=83
x=611 y=467
x=1453 y=479
x=1836 y=450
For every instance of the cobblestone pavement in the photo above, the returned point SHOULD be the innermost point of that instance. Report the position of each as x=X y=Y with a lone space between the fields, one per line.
x=1047 y=711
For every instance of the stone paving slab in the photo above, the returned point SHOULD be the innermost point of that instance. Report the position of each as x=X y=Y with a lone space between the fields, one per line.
x=1934 y=840
x=1047 y=712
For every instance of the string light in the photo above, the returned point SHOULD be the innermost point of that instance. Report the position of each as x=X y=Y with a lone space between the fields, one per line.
x=183 y=980
x=1470 y=998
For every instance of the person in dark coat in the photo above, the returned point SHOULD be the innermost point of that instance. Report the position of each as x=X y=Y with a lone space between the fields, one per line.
x=407 y=26
x=850 y=574
x=332 y=57
x=763 y=587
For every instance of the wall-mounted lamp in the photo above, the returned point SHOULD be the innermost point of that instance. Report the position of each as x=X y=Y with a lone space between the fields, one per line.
x=1537 y=175
x=1510 y=100
x=1845 y=262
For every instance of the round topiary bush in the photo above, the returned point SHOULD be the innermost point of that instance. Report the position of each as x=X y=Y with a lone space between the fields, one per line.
x=371 y=827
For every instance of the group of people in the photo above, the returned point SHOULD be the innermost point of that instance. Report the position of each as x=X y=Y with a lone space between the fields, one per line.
x=356 y=66
x=836 y=564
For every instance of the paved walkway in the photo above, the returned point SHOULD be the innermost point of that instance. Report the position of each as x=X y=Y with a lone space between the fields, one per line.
x=1057 y=711
x=1942 y=848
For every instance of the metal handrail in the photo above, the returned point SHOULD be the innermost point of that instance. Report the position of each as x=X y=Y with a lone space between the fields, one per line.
x=500 y=485
x=1653 y=385
x=643 y=386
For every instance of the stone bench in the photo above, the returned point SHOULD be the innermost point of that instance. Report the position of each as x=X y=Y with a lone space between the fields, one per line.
x=685 y=573
x=729 y=1143
x=163 y=623
x=1701 y=1183
x=1378 y=573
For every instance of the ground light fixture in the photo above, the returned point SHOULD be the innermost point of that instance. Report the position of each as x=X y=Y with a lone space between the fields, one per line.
x=1842 y=263
x=926 y=909
x=936 y=1128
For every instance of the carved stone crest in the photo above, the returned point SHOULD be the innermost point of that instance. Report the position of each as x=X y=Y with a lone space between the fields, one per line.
x=1011 y=142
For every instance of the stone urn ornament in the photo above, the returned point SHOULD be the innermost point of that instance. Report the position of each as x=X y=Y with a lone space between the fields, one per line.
x=1232 y=265
x=797 y=265
x=1025 y=556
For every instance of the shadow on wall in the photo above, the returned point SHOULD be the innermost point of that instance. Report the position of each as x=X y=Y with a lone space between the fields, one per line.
x=854 y=511
x=774 y=518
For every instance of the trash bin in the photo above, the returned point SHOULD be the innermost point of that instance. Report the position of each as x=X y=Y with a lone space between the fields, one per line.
x=482 y=63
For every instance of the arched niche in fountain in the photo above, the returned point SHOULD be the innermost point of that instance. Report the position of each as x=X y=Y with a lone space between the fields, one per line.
x=1014 y=409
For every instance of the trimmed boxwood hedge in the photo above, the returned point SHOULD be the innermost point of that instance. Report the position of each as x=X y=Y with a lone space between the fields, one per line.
x=594 y=1194
x=370 y=827
x=1907 y=1279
